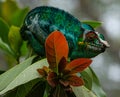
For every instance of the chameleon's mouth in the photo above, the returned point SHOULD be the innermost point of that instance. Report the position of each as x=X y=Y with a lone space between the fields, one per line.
x=90 y=49
x=100 y=47
x=96 y=48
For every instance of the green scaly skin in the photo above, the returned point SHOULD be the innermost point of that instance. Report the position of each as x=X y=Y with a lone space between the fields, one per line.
x=41 y=21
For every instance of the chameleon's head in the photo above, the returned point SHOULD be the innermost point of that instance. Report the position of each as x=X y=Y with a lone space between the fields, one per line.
x=91 y=43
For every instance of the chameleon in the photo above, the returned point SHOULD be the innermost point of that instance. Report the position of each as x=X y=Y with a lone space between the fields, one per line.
x=83 y=40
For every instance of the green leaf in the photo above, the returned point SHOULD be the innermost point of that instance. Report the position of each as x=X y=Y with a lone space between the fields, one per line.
x=0 y=9
x=38 y=90
x=96 y=88
x=6 y=48
x=7 y=77
x=92 y=82
x=24 y=49
x=18 y=17
x=94 y=24
x=87 y=77
x=12 y=13
x=4 y=29
x=8 y=8
x=83 y=92
x=26 y=75
x=22 y=90
x=15 y=39
x=59 y=92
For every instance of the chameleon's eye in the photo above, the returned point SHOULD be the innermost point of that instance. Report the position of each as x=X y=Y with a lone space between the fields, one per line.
x=90 y=36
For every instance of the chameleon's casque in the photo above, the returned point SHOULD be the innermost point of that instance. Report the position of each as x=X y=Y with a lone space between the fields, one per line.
x=82 y=39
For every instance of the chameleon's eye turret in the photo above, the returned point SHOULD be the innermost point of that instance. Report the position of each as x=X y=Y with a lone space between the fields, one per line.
x=90 y=36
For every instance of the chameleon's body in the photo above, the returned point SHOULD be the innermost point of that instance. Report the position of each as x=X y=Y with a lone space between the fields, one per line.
x=41 y=21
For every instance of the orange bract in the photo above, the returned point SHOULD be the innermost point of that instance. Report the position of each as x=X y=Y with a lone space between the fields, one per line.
x=60 y=72
x=43 y=71
x=78 y=65
x=75 y=80
x=52 y=79
x=56 y=47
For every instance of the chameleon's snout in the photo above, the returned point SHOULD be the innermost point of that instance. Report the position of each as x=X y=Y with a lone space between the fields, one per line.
x=102 y=40
x=105 y=43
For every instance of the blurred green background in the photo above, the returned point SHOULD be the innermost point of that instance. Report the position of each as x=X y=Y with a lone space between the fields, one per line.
x=106 y=65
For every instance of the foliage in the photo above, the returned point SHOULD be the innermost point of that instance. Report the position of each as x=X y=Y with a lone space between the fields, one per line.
x=94 y=24
x=10 y=39
x=61 y=73
x=54 y=76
